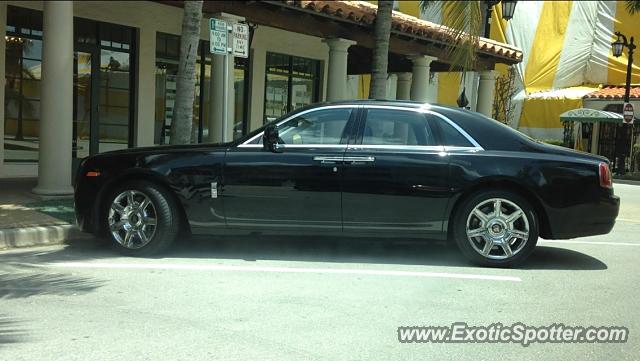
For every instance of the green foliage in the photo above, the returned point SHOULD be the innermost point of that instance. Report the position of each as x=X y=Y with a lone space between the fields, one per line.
x=464 y=24
x=633 y=6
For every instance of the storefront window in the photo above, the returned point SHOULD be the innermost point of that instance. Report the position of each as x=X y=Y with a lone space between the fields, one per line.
x=102 y=106
x=114 y=99
x=291 y=82
x=167 y=56
x=241 y=66
x=22 y=88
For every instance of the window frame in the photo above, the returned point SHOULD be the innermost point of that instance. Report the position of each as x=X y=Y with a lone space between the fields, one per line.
x=427 y=122
x=351 y=124
x=315 y=77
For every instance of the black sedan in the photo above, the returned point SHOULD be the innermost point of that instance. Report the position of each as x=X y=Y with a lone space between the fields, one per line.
x=366 y=168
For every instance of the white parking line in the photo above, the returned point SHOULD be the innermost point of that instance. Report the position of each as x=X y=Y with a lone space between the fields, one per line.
x=204 y=267
x=588 y=242
x=628 y=220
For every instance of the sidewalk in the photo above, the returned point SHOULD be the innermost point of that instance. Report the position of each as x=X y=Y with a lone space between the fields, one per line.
x=30 y=220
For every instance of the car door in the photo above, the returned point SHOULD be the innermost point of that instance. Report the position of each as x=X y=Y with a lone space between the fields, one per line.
x=298 y=187
x=396 y=175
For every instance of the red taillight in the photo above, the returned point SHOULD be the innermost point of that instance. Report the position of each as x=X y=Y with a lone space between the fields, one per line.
x=605 y=176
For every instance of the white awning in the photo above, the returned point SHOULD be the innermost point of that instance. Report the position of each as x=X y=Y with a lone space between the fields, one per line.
x=587 y=115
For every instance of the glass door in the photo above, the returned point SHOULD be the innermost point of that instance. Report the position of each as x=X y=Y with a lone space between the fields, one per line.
x=83 y=109
x=115 y=100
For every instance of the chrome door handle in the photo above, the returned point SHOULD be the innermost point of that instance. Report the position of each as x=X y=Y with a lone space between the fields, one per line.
x=359 y=159
x=328 y=159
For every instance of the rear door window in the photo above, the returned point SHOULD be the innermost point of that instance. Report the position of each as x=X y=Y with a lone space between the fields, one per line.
x=396 y=127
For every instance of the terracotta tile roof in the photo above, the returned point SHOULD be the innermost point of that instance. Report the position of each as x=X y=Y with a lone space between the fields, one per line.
x=614 y=93
x=365 y=13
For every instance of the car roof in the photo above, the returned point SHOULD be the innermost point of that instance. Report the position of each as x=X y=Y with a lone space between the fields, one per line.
x=489 y=133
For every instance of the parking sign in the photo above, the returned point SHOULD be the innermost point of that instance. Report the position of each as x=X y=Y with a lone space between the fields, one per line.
x=241 y=40
x=218 y=36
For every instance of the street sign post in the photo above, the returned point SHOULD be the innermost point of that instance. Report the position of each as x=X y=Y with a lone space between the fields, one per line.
x=219 y=33
x=240 y=40
x=627 y=113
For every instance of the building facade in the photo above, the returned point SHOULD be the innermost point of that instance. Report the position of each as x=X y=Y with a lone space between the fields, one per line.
x=83 y=78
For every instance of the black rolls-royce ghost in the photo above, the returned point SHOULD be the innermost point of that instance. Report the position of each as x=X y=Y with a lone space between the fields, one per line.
x=366 y=168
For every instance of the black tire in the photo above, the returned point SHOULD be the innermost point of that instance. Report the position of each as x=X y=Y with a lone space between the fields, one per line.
x=167 y=216
x=459 y=227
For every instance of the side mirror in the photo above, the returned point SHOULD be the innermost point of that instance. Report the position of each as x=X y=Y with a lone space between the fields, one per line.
x=270 y=139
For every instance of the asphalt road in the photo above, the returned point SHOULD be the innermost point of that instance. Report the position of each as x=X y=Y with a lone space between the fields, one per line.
x=257 y=298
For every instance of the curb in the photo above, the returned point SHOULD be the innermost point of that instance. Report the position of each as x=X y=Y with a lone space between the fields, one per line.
x=40 y=236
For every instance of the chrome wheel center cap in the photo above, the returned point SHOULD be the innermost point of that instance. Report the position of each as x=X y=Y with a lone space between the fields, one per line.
x=496 y=228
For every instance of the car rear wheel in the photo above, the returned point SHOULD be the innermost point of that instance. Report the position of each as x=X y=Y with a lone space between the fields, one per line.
x=496 y=228
x=142 y=219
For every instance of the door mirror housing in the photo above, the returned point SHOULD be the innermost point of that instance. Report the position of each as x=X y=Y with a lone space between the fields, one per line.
x=270 y=139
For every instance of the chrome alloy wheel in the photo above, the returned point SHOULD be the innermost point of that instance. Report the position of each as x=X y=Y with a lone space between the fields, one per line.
x=497 y=228
x=132 y=219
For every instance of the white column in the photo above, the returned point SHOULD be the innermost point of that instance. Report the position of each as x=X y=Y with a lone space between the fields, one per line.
x=3 y=47
x=146 y=87
x=486 y=89
x=404 y=86
x=337 y=77
x=54 y=167
x=420 y=81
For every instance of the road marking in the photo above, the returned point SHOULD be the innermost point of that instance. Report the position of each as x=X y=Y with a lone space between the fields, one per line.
x=158 y=266
x=628 y=220
x=588 y=242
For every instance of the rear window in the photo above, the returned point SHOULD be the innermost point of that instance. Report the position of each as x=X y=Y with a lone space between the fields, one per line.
x=451 y=137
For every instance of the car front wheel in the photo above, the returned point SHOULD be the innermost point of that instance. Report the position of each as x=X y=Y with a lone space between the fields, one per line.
x=496 y=228
x=142 y=219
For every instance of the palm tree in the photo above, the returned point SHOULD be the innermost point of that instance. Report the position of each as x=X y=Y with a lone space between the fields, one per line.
x=381 y=50
x=464 y=21
x=633 y=6
x=186 y=77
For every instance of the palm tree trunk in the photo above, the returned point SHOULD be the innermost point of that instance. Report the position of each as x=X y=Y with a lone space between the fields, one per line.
x=378 y=89
x=186 y=79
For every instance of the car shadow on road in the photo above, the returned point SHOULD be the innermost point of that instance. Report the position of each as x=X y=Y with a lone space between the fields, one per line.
x=320 y=249
x=10 y=331
x=363 y=250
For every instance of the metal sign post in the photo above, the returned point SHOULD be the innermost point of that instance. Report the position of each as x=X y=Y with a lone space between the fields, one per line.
x=219 y=44
x=220 y=32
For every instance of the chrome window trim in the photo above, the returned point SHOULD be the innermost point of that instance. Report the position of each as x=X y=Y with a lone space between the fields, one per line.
x=246 y=143
x=424 y=109
x=476 y=145
x=433 y=148
x=342 y=146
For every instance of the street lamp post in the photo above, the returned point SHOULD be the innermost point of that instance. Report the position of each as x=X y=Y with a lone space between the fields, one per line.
x=508 y=9
x=617 y=48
